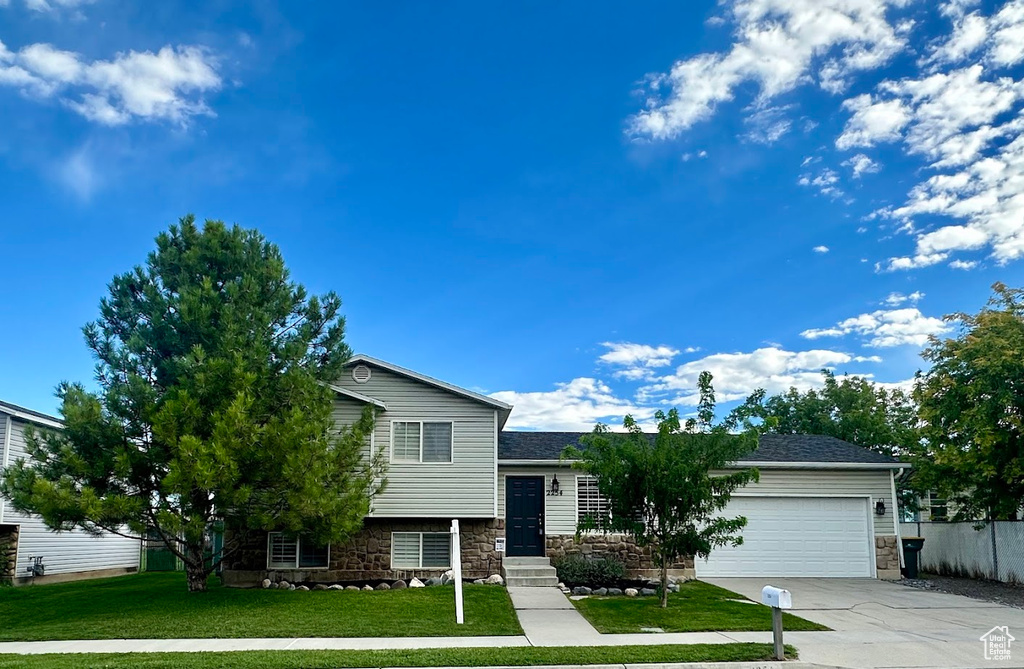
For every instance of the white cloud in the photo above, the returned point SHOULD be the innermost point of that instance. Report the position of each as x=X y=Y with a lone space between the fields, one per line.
x=736 y=375
x=54 y=5
x=768 y=125
x=778 y=45
x=167 y=85
x=573 y=406
x=872 y=122
x=964 y=264
x=637 y=360
x=861 y=164
x=885 y=328
x=826 y=182
x=78 y=173
x=896 y=299
x=821 y=249
x=867 y=358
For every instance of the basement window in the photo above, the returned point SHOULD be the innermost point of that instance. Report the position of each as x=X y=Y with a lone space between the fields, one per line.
x=421 y=550
x=298 y=552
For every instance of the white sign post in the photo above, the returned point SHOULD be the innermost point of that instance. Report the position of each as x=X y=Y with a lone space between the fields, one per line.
x=457 y=571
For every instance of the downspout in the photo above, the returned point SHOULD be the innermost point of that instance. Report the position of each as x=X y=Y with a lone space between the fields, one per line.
x=896 y=516
x=6 y=451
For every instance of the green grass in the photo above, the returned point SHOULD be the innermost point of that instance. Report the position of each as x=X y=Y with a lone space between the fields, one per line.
x=157 y=606
x=697 y=607
x=432 y=657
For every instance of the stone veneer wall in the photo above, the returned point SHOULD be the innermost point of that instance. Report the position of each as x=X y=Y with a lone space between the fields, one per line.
x=887 y=557
x=8 y=552
x=639 y=561
x=367 y=555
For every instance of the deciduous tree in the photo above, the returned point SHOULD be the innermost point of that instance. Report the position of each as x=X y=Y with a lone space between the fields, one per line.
x=667 y=490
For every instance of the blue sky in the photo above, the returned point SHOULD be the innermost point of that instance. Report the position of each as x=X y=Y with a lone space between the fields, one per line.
x=574 y=206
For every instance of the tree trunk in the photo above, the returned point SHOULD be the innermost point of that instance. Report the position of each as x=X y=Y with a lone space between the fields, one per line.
x=664 y=581
x=195 y=570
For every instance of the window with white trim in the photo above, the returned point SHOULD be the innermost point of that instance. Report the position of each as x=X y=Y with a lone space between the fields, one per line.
x=588 y=498
x=284 y=552
x=421 y=550
x=421 y=441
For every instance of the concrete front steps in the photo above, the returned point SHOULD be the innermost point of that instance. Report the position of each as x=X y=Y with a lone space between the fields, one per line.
x=528 y=572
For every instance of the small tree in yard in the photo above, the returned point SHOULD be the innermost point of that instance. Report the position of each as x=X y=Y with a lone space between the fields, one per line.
x=667 y=490
x=212 y=405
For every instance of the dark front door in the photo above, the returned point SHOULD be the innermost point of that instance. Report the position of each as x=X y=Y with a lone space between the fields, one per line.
x=524 y=515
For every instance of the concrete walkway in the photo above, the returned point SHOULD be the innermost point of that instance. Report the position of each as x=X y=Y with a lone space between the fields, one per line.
x=549 y=618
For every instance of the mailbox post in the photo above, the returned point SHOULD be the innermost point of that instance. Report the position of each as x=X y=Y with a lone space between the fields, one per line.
x=778 y=599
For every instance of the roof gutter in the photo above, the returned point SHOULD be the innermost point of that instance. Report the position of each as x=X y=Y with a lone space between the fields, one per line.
x=751 y=463
x=31 y=417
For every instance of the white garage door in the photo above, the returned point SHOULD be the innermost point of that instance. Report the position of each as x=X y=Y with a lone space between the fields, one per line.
x=796 y=536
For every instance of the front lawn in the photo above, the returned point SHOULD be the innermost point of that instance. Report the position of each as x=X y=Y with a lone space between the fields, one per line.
x=697 y=607
x=435 y=657
x=157 y=606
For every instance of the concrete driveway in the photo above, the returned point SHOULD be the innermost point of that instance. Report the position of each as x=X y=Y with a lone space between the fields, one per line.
x=882 y=624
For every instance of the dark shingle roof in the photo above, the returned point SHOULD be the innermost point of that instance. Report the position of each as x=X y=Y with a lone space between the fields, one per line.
x=771 y=448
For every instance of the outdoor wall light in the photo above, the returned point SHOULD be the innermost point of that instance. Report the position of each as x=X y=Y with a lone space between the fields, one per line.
x=880 y=507
x=553 y=490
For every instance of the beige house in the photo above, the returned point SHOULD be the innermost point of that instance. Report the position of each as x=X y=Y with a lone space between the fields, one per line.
x=822 y=508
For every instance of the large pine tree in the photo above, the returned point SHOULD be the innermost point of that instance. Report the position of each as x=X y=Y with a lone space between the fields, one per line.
x=212 y=405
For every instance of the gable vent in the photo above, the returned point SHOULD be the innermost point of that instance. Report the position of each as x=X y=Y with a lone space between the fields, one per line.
x=361 y=373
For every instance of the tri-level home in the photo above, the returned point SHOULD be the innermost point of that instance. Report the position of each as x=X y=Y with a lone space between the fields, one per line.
x=823 y=507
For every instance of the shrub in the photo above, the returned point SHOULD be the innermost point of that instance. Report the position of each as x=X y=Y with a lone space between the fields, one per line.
x=576 y=569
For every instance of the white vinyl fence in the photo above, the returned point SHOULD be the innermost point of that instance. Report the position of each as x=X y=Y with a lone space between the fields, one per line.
x=995 y=552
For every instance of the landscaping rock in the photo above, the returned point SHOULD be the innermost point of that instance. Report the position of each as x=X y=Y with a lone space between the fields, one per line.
x=340 y=587
x=367 y=587
x=303 y=588
x=648 y=592
x=614 y=592
x=399 y=585
x=631 y=592
x=266 y=583
x=347 y=587
x=673 y=587
x=561 y=585
x=291 y=586
x=600 y=592
x=434 y=580
x=415 y=583
x=495 y=579
x=479 y=581
x=283 y=584
x=319 y=586
x=383 y=586
x=581 y=590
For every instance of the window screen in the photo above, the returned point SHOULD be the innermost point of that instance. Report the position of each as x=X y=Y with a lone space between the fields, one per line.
x=588 y=498
x=405 y=445
x=437 y=442
x=415 y=550
x=405 y=550
x=283 y=551
x=437 y=549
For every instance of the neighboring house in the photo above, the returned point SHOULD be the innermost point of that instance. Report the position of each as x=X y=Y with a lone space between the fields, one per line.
x=65 y=555
x=823 y=507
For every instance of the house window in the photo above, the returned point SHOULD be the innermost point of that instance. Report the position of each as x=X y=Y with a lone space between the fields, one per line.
x=421 y=441
x=589 y=501
x=938 y=509
x=421 y=550
x=299 y=552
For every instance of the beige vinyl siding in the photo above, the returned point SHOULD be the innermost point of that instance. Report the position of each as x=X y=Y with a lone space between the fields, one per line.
x=559 y=510
x=463 y=488
x=831 y=483
x=63 y=552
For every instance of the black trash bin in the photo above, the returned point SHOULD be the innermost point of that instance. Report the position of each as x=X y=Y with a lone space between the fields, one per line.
x=911 y=547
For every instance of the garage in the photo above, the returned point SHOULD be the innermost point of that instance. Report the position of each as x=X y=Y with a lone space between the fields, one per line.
x=797 y=536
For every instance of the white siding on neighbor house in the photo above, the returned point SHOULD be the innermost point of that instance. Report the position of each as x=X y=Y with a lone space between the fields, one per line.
x=62 y=552
x=560 y=511
x=463 y=488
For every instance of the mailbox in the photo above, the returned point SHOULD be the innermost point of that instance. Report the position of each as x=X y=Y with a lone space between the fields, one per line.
x=777 y=598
